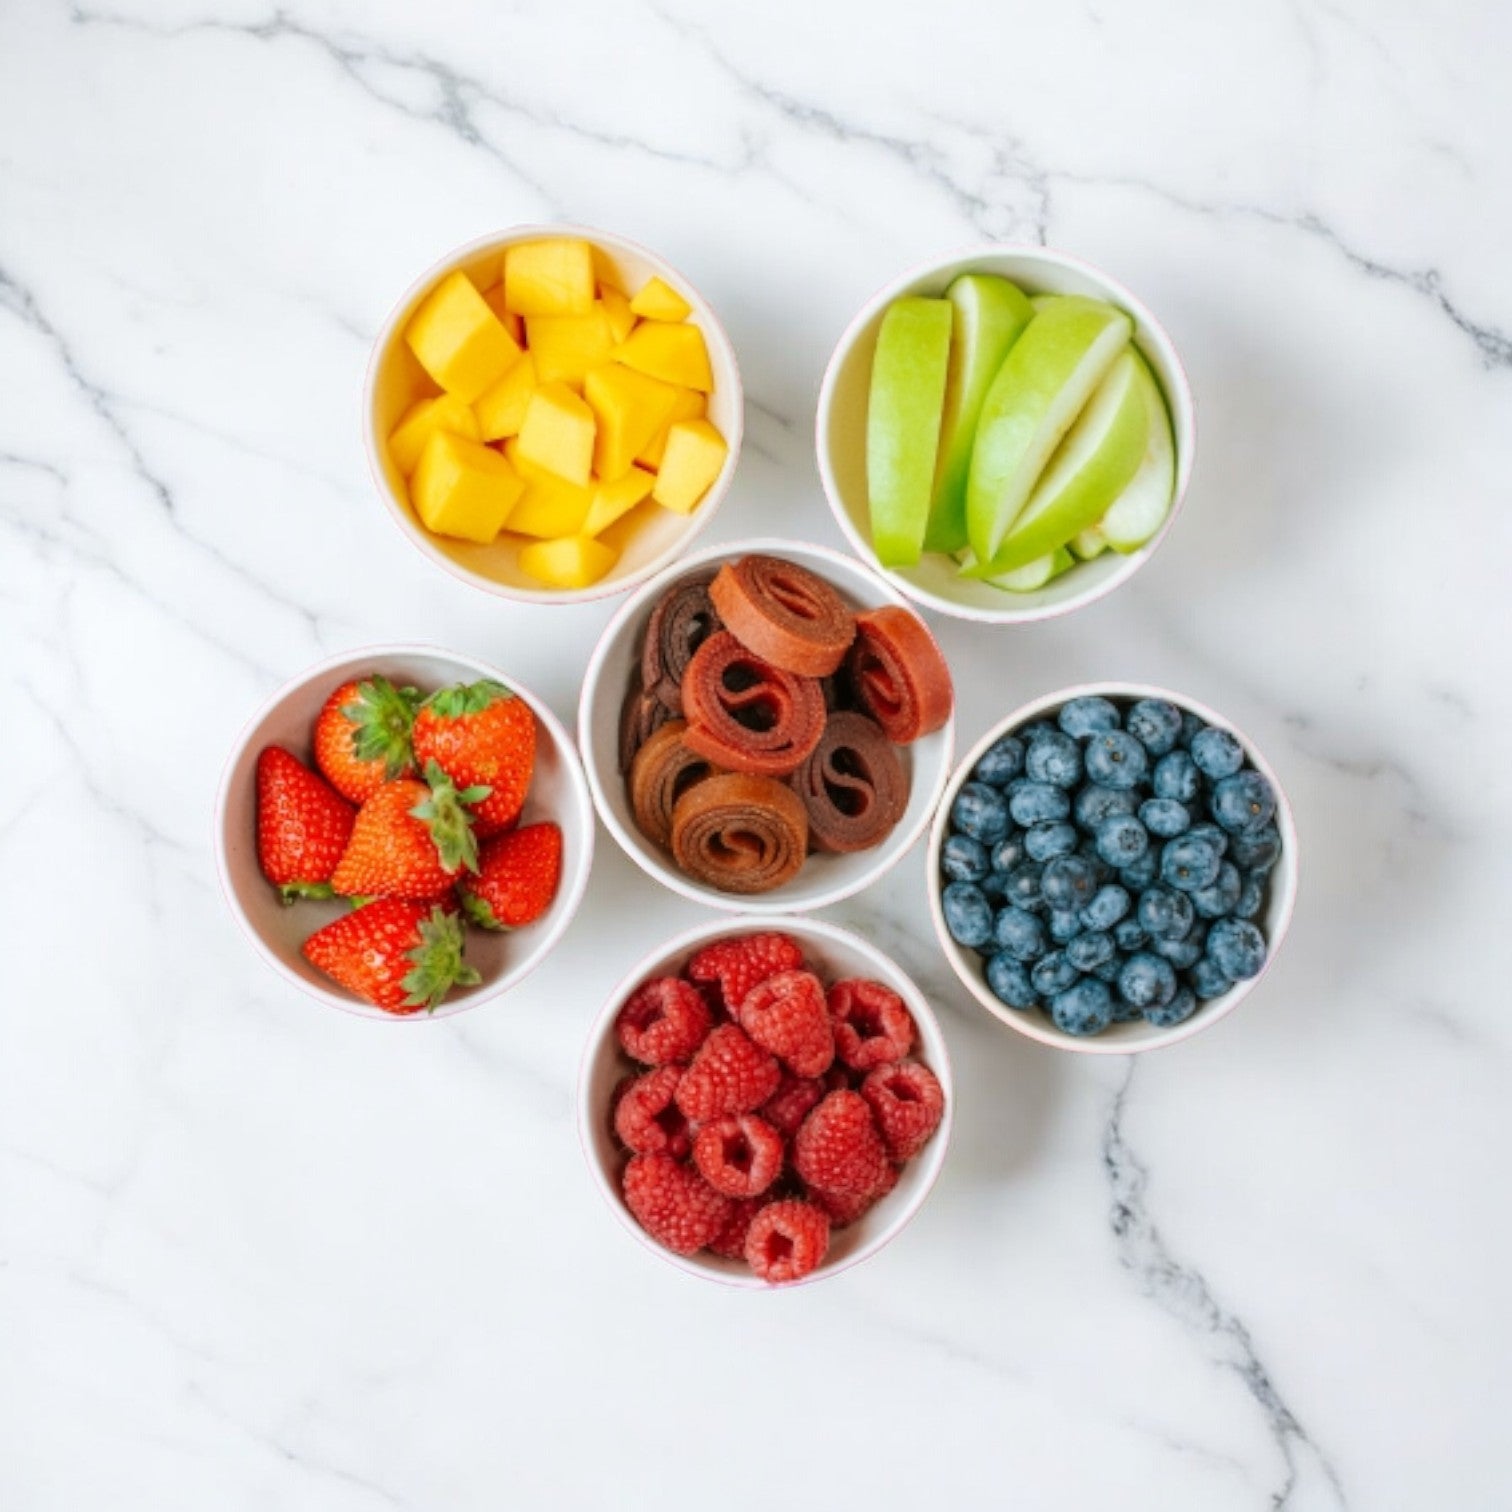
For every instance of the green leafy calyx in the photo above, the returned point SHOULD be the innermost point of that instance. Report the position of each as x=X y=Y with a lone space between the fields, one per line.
x=438 y=962
x=462 y=699
x=382 y=719
x=445 y=815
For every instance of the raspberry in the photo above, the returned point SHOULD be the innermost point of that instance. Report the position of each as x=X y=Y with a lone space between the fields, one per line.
x=673 y=1203
x=646 y=1119
x=787 y=1240
x=740 y=1155
x=786 y=1015
x=908 y=1103
x=736 y=966
x=730 y=1241
x=663 y=1020
x=838 y=1148
x=729 y=1074
x=872 y=1026
x=844 y=1209
x=789 y=1105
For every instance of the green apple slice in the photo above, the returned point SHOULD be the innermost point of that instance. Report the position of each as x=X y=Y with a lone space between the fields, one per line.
x=989 y=315
x=1046 y=378
x=1088 y=543
x=1093 y=465
x=903 y=424
x=1140 y=510
x=1027 y=578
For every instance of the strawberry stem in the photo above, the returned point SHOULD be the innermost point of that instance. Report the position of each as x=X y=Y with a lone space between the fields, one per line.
x=294 y=892
x=438 y=962
x=382 y=719
x=445 y=815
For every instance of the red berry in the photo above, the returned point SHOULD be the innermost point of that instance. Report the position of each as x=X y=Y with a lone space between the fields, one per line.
x=786 y=1015
x=908 y=1103
x=736 y=966
x=729 y=1074
x=844 y=1208
x=664 y=1020
x=673 y=1203
x=518 y=874
x=838 y=1148
x=740 y=1155
x=303 y=826
x=789 y=1105
x=787 y=1240
x=872 y=1025
x=647 y=1120
x=399 y=956
x=730 y=1241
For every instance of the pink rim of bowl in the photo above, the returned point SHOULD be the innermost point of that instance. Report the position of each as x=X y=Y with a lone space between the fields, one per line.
x=840 y=433
x=1131 y=1038
x=835 y=953
x=394 y=379
x=558 y=792
x=824 y=879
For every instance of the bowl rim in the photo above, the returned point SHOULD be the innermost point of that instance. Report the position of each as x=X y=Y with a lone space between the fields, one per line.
x=664 y=873
x=714 y=331
x=568 y=903
x=802 y=928
x=1033 y=1025
x=1182 y=402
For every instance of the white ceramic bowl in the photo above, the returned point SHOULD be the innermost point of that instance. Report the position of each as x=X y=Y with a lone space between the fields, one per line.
x=825 y=879
x=395 y=380
x=840 y=433
x=1130 y=1038
x=557 y=792
x=833 y=954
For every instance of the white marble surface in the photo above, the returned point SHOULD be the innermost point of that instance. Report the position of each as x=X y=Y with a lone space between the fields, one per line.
x=258 y=1255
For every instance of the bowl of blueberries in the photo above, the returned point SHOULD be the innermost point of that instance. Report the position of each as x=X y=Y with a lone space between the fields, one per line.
x=1113 y=868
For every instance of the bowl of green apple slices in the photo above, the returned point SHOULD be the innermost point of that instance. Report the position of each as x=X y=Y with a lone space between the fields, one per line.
x=1006 y=433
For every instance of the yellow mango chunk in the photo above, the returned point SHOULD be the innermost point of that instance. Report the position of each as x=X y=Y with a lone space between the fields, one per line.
x=571 y=562
x=689 y=405
x=694 y=456
x=566 y=346
x=630 y=408
x=463 y=489
x=616 y=311
x=514 y=324
x=501 y=409
x=552 y=276
x=557 y=433
x=550 y=506
x=611 y=500
x=421 y=421
x=606 y=272
x=660 y=301
x=673 y=353
x=458 y=340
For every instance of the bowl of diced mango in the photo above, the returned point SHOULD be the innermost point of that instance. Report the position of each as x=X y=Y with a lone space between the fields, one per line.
x=553 y=413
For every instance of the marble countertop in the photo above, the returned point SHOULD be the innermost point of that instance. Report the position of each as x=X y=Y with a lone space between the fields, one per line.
x=255 y=1254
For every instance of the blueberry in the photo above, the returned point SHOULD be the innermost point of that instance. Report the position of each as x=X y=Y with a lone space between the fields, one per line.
x=1142 y=872
x=963 y=859
x=1019 y=934
x=1109 y=904
x=1189 y=862
x=1185 y=952
x=1176 y=776
x=1054 y=758
x=1053 y=973
x=1116 y=760
x=1208 y=979
x=1095 y=803
x=980 y=812
x=1086 y=1008
x=1024 y=884
x=1216 y=753
x=1146 y=979
x=1251 y=896
x=1001 y=762
x=1191 y=727
x=995 y=885
x=1129 y=934
x=1083 y=717
x=1037 y=803
x=1036 y=729
x=1155 y=724
x=1109 y=969
x=1164 y=914
x=1069 y=882
x=1045 y=842
x=968 y=914
x=1122 y=840
x=1065 y=924
x=1088 y=951
x=1009 y=982
x=1164 y=817
x=1219 y=837
x=1101 y=871
x=1007 y=853
x=1237 y=947
x=1258 y=850
x=1243 y=802
x=1177 y=1011
x=1223 y=896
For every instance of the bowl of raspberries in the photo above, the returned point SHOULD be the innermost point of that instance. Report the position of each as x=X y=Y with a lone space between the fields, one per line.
x=1113 y=868
x=764 y=1107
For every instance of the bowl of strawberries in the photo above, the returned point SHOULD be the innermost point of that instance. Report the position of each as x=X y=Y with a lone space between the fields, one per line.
x=404 y=832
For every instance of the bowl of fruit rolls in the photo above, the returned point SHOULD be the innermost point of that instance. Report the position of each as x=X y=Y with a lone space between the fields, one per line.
x=1006 y=433
x=552 y=413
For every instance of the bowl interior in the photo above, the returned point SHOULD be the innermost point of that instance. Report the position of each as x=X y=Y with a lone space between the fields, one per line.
x=825 y=878
x=557 y=792
x=650 y=533
x=833 y=954
x=842 y=435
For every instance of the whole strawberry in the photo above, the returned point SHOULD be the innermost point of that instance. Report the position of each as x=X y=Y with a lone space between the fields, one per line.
x=362 y=736
x=517 y=877
x=400 y=956
x=482 y=737
x=302 y=826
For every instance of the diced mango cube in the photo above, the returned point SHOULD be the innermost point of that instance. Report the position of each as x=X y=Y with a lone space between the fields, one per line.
x=673 y=353
x=617 y=311
x=630 y=408
x=552 y=276
x=571 y=562
x=464 y=489
x=459 y=340
x=550 y=506
x=514 y=324
x=557 y=433
x=444 y=412
x=611 y=500
x=606 y=272
x=566 y=346
x=689 y=405
x=694 y=456
x=501 y=409
x=660 y=301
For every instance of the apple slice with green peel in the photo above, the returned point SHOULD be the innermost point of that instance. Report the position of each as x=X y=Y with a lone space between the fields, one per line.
x=1092 y=467
x=1140 y=510
x=1088 y=543
x=903 y=424
x=990 y=314
x=1027 y=578
x=1046 y=378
